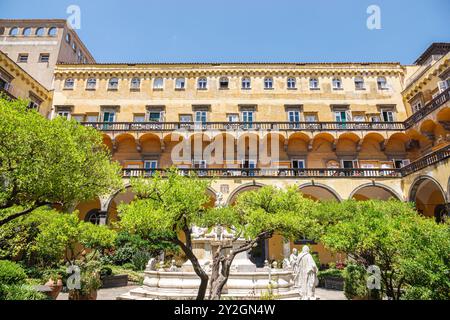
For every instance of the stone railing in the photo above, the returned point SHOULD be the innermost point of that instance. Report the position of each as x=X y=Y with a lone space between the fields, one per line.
x=428 y=160
x=243 y=126
x=427 y=109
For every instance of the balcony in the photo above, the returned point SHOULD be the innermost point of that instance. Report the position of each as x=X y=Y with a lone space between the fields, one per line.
x=117 y=127
x=434 y=104
x=428 y=160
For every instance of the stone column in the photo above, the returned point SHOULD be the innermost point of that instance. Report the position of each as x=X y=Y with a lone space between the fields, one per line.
x=103 y=217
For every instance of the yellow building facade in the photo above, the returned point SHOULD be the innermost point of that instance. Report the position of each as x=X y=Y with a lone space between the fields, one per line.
x=335 y=130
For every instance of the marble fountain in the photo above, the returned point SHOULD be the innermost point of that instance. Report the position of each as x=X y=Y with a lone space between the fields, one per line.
x=246 y=281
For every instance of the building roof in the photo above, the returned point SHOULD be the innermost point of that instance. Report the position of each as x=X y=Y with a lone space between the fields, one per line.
x=434 y=48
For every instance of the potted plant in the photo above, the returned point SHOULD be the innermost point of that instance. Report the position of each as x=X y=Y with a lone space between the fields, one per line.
x=90 y=283
x=55 y=284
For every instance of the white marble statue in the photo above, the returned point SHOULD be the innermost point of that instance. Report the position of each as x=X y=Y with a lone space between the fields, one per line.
x=198 y=232
x=219 y=233
x=219 y=199
x=306 y=275
x=293 y=260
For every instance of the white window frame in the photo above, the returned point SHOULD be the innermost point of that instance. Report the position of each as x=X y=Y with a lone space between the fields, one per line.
x=382 y=85
x=221 y=81
x=180 y=83
x=202 y=83
x=111 y=113
x=233 y=117
x=201 y=116
x=185 y=116
x=355 y=163
x=268 y=83
x=91 y=84
x=139 y=118
x=111 y=86
x=246 y=83
x=294 y=114
x=348 y=116
x=160 y=113
x=64 y=113
x=314 y=83
x=291 y=83
x=298 y=161
x=310 y=115
x=245 y=115
x=69 y=81
x=387 y=111
x=151 y=162
x=158 y=83
x=337 y=83
x=135 y=83
x=359 y=83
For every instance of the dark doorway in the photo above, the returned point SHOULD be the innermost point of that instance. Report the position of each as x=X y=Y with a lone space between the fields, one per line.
x=258 y=254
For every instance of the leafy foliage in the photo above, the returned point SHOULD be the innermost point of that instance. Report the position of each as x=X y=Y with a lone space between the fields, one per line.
x=45 y=162
x=11 y=273
x=66 y=236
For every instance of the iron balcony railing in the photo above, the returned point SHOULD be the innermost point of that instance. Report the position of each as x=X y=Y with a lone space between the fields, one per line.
x=417 y=165
x=243 y=126
x=428 y=108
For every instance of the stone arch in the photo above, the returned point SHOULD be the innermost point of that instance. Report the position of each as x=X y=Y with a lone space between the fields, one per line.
x=374 y=191
x=245 y=187
x=427 y=194
x=318 y=191
x=124 y=195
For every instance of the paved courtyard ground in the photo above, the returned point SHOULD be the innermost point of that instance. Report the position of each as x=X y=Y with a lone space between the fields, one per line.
x=113 y=293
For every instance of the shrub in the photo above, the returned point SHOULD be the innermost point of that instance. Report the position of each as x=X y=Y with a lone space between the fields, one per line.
x=21 y=292
x=355 y=282
x=330 y=273
x=140 y=260
x=11 y=273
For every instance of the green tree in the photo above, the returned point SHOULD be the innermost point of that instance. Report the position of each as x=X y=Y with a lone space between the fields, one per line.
x=66 y=237
x=45 y=162
x=257 y=216
x=411 y=251
x=166 y=208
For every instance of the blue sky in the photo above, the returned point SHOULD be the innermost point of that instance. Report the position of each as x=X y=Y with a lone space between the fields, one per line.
x=246 y=31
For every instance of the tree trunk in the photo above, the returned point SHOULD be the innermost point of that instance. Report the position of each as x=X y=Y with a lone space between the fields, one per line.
x=21 y=213
x=197 y=268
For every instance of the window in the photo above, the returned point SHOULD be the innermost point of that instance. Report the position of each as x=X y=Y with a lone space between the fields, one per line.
x=337 y=84
x=417 y=106
x=180 y=84
x=313 y=84
x=387 y=115
x=202 y=84
x=185 y=118
x=199 y=164
x=291 y=83
x=69 y=83
x=310 y=118
x=78 y=117
x=298 y=164
x=294 y=116
x=52 y=32
x=223 y=83
x=201 y=116
x=91 y=84
x=33 y=105
x=233 y=117
x=246 y=83
x=2 y=30
x=382 y=84
x=63 y=113
x=113 y=84
x=342 y=116
x=14 y=31
x=109 y=116
x=154 y=116
x=26 y=32
x=40 y=32
x=74 y=46
x=92 y=118
x=44 y=57
x=359 y=118
x=359 y=83
x=400 y=163
x=349 y=164
x=247 y=116
x=139 y=118
x=268 y=83
x=135 y=84
x=4 y=84
x=444 y=85
x=249 y=164
x=23 y=58
x=150 y=164
x=68 y=38
x=158 y=83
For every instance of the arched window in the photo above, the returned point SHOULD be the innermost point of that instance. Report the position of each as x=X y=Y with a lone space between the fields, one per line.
x=223 y=83
x=382 y=84
x=202 y=83
x=158 y=83
x=113 y=84
x=313 y=83
x=246 y=83
x=91 y=83
x=135 y=83
x=14 y=31
x=40 y=32
x=337 y=83
x=27 y=31
x=2 y=30
x=74 y=46
x=93 y=217
x=268 y=83
x=68 y=38
x=52 y=32
x=69 y=83
x=359 y=83
x=291 y=83
x=180 y=83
